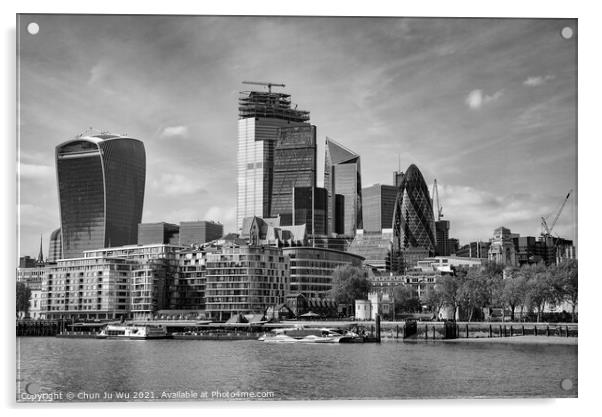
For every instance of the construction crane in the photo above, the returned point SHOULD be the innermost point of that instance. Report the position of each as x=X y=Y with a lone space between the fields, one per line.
x=547 y=229
x=269 y=85
x=436 y=200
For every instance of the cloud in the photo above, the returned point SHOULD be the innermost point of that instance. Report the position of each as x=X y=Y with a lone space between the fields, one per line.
x=31 y=215
x=223 y=215
x=102 y=76
x=172 y=131
x=177 y=184
x=474 y=213
x=36 y=172
x=538 y=80
x=477 y=99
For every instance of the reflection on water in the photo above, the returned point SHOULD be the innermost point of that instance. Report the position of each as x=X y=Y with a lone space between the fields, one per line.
x=298 y=371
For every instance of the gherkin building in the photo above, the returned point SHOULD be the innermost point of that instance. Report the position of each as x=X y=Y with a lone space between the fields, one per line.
x=413 y=220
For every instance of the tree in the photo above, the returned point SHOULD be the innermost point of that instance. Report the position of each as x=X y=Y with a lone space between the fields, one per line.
x=513 y=292
x=540 y=289
x=406 y=300
x=349 y=283
x=567 y=281
x=433 y=299
x=23 y=295
x=478 y=289
x=447 y=287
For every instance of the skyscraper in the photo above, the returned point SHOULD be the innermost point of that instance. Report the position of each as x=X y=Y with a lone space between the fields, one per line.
x=413 y=220
x=442 y=237
x=55 y=249
x=342 y=175
x=294 y=166
x=378 y=202
x=310 y=207
x=261 y=115
x=101 y=191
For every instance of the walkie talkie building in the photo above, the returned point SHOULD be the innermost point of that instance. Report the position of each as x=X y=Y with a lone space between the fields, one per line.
x=101 y=191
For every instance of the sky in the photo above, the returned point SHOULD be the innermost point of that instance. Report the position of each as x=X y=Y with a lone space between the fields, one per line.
x=488 y=107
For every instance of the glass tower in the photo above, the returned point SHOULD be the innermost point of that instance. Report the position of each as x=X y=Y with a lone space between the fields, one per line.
x=311 y=208
x=413 y=220
x=260 y=117
x=101 y=191
x=342 y=175
x=294 y=166
x=378 y=202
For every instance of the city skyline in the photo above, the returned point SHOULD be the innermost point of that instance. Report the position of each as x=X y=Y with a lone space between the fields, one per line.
x=486 y=106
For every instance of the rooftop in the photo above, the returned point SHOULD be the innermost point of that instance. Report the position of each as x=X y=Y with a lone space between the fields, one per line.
x=269 y=105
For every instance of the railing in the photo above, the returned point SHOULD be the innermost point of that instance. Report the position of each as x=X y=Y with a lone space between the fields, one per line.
x=460 y=330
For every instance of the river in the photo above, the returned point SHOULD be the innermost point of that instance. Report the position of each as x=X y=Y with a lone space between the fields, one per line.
x=114 y=370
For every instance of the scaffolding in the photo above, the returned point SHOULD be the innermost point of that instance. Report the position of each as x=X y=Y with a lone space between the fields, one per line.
x=269 y=105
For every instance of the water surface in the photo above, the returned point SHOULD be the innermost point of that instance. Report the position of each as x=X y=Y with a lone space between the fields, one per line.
x=296 y=371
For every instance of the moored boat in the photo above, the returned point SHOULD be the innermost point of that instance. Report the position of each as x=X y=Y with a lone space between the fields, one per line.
x=302 y=335
x=134 y=332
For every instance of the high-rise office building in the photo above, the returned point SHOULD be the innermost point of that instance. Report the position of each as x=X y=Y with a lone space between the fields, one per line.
x=310 y=207
x=161 y=232
x=294 y=166
x=342 y=175
x=442 y=237
x=397 y=178
x=454 y=245
x=55 y=250
x=413 y=220
x=378 y=202
x=260 y=117
x=101 y=191
x=198 y=232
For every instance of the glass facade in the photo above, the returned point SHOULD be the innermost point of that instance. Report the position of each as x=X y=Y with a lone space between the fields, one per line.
x=311 y=269
x=378 y=203
x=101 y=192
x=261 y=115
x=55 y=247
x=294 y=166
x=149 y=233
x=311 y=209
x=342 y=175
x=414 y=223
x=442 y=231
x=375 y=247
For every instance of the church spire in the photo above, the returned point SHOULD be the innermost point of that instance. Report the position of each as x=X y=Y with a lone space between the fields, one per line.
x=40 y=259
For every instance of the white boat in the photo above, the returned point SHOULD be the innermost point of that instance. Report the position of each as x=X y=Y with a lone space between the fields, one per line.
x=135 y=332
x=301 y=335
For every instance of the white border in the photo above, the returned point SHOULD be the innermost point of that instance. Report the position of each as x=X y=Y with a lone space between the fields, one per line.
x=589 y=207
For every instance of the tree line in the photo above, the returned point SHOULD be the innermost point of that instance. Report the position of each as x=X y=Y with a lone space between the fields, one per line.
x=468 y=291
x=527 y=289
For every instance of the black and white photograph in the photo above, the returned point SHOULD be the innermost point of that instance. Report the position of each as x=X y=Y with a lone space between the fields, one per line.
x=218 y=208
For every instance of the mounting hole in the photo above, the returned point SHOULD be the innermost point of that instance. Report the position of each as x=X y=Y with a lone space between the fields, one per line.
x=32 y=388
x=33 y=28
x=566 y=384
x=567 y=32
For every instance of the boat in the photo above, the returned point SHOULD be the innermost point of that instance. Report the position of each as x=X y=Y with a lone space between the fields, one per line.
x=302 y=335
x=134 y=332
